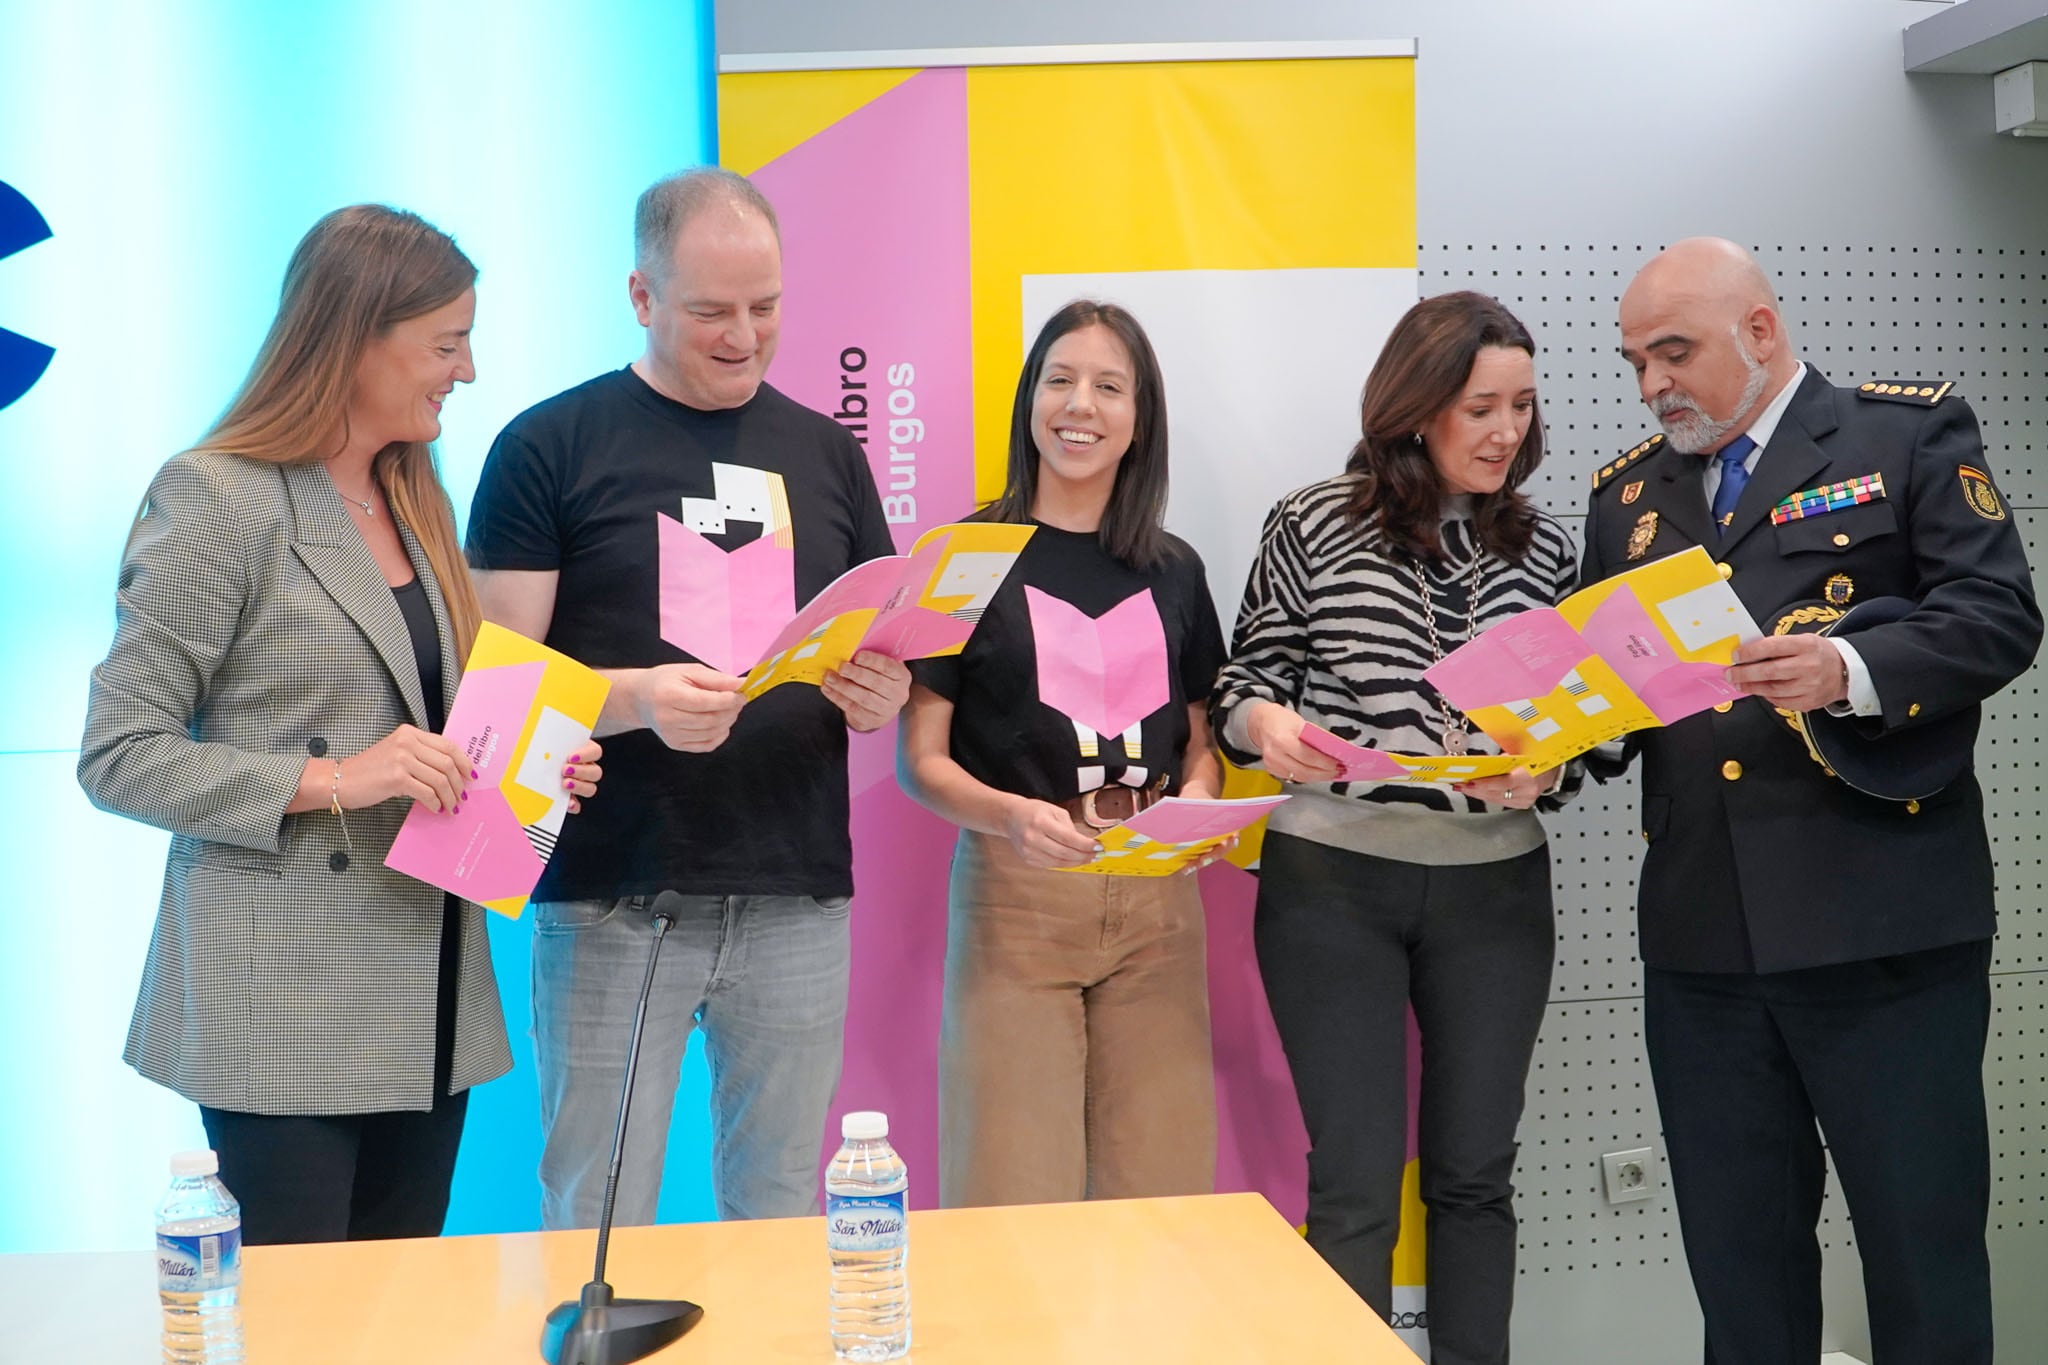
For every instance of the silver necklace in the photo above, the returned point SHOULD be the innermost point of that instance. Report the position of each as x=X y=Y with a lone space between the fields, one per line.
x=363 y=503
x=1455 y=732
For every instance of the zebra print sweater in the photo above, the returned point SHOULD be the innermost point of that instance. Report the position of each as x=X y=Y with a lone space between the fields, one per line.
x=1334 y=627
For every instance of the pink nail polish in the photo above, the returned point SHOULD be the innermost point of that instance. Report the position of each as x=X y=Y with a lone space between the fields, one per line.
x=567 y=785
x=568 y=772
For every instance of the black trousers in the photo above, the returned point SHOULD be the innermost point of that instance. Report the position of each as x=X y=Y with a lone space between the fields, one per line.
x=352 y=1177
x=339 y=1178
x=1887 y=1057
x=1346 y=943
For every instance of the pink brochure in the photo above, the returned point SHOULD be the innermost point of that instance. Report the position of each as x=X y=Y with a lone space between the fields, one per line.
x=1523 y=656
x=1189 y=820
x=521 y=711
x=1621 y=632
x=1105 y=672
x=723 y=608
x=859 y=588
x=915 y=606
x=904 y=628
x=1172 y=836
x=1646 y=647
x=1357 y=763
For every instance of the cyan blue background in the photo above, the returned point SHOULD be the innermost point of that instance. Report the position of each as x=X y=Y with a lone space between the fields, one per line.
x=179 y=152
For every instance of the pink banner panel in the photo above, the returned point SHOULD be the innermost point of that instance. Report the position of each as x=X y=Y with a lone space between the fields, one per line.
x=875 y=312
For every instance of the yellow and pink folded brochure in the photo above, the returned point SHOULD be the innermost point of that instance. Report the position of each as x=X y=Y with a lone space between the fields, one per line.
x=1640 y=649
x=922 y=605
x=1174 y=832
x=521 y=711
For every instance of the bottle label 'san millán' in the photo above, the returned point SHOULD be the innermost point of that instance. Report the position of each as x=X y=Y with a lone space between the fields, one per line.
x=198 y=1264
x=864 y=1222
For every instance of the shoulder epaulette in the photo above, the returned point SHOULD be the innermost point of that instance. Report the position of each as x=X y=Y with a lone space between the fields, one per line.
x=1923 y=393
x=1621 y=462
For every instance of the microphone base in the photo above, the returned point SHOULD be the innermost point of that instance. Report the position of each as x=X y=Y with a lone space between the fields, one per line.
x=601 y=1330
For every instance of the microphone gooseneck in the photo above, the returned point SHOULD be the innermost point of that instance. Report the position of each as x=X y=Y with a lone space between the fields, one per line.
x=597 y=1328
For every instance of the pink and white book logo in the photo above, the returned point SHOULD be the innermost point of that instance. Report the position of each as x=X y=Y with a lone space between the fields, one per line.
x=1105 y=673
x=725 y=608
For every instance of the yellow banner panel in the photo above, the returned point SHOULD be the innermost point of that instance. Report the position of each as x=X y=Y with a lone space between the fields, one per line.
x=1175 y=166
x=763 y=114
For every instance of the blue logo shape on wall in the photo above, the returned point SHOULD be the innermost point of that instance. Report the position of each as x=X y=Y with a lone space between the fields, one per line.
x=22 y=361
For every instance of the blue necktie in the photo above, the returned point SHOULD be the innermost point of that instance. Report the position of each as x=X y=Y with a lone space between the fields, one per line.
x=1734 y=477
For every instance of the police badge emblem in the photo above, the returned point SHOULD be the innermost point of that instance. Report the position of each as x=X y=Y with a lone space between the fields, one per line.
x=1979 y=494
x=1640 y=537
x=1839 y=590
x=1631 y=492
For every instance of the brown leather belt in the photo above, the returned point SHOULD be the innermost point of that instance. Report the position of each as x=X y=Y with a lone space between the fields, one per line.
x=1107 y=807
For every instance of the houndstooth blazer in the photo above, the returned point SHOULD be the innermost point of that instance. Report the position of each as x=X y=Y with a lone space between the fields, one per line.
x=287 y=975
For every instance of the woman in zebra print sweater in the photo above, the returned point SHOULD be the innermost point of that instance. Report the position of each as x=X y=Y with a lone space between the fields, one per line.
x=1373 y=897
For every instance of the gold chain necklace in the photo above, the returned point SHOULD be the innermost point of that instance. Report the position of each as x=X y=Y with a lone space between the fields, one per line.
x=1455 y=732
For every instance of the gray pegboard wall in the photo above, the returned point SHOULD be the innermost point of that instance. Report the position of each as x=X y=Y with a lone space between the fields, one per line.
x=1975 y=315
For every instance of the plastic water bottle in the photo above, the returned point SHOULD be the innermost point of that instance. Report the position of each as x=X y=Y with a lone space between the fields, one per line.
x=869 y=1240
x=199 y=1264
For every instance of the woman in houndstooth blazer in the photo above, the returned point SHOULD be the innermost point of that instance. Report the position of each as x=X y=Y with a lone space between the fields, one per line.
x=292 y=611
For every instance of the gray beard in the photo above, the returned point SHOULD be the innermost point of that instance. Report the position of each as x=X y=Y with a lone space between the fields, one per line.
x=1698 y=432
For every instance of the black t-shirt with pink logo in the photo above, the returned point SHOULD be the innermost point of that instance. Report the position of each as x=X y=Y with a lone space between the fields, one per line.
x=1082 y=670
x=682 y=535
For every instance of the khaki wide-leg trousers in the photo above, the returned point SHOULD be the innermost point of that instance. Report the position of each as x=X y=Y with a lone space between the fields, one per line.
x=1074 y=1055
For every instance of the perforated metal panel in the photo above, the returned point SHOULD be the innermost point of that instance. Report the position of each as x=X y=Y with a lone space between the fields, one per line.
x=1973 y=315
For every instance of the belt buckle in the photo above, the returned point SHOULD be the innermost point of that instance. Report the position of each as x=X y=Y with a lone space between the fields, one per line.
x=1097 y=821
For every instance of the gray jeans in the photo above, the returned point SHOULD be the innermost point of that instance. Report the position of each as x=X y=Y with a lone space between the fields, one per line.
x=764 y=977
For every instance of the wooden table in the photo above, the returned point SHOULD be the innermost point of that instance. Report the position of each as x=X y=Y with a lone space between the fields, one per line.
x=1218 y=1278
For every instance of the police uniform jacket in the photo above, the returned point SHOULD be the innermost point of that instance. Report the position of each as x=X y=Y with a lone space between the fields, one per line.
x=289 y=973
x=1758 y=859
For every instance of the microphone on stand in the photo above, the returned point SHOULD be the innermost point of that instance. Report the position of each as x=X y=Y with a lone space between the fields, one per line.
x=598 y=1329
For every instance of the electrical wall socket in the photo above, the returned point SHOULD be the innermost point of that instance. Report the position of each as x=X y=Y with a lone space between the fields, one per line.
x=1631 y=1175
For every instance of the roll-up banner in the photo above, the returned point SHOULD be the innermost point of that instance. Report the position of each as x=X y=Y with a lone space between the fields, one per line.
x=1254 y=205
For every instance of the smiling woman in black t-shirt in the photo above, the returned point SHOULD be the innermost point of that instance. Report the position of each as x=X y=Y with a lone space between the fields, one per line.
x=1074 y=1057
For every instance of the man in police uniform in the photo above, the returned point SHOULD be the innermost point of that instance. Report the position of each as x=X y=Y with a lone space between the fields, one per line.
x=1814 y=954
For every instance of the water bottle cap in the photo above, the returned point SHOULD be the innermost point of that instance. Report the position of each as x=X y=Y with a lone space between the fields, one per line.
x=863 y=1125
x=201 y=1162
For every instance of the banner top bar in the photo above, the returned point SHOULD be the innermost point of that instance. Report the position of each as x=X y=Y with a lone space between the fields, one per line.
x=741 y=63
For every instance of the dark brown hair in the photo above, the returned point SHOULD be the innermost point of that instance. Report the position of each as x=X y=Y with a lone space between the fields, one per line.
x=359 y=272
x=1422 y=369
x=1132 y=525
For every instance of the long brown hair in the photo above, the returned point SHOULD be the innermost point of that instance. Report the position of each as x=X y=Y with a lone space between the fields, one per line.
x=1133 y=525
x=1421 y=371
x=361 y=271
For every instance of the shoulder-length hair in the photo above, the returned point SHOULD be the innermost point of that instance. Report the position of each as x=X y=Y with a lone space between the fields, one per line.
x=1133 y=525
x=1421 y=371
x=358 y=273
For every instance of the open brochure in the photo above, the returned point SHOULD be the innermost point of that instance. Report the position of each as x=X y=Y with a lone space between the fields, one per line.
x=1641 y=649
x=917 y=606
x=1178 y=830
x=1359 y=764
x=521 y=711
